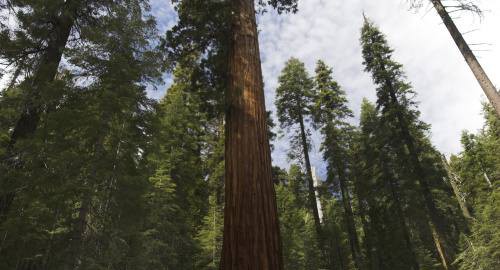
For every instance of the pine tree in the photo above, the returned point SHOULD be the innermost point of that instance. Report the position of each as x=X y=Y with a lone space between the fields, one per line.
x=331 y=115
x=35 y=51
x=294 y=102
x=83 y=175
x=210 y=233
x=179 y=142
x=475 y=165
x=300 y=249
x=386 y=234
x=398 y=115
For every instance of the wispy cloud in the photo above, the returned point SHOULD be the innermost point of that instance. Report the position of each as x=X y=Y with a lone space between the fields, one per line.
x=449 y=97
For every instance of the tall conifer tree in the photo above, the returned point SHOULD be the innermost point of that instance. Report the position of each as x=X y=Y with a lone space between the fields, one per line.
x=294 y=102
x=398 y=114
x=330 y=115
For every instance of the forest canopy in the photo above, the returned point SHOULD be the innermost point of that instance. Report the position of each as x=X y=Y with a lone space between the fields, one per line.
x=240 y=164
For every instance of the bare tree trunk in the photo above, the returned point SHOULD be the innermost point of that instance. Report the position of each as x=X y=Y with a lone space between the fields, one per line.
x=310 y=181
x=351 y=227
x=456 y=190
x=481 y=76
x=251 y=228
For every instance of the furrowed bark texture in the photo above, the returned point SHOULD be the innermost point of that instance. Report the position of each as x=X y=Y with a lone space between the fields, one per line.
x=476 y=68
x=251 y=229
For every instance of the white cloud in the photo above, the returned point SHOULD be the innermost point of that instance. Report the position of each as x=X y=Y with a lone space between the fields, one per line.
x=449 y=96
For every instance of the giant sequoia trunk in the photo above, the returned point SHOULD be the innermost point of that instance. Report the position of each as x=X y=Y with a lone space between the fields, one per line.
x=251 y=229
x=481 y=76
x=310 y=182
x=351 y=226
x=43 y=75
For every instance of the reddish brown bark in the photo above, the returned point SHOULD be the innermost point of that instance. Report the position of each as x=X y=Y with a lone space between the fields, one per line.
x=251 y=229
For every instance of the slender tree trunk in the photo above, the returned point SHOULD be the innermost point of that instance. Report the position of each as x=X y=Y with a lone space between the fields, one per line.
x=43 y=75
x=481 y=76
x=456 y=190
x=351 y=227
x=435 y=219
x=251 y=228
x=310 y=181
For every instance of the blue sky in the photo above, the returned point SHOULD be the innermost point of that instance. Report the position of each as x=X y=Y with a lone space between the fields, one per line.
x=448 y=94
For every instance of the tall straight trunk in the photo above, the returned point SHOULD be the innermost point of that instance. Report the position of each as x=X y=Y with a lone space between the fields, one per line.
x=478 y=71
x=351 y=226
x=44 y=74
x=436 y=226
x=456 y=190
x=251 y=228
x=310 y=181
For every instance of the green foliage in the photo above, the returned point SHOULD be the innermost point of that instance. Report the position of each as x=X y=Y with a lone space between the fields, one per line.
x=80 y=184
x=398 y=153
x=478 y=166
x=298 y=235
x=111 y=179
x=294 y=96
x=294 y=103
